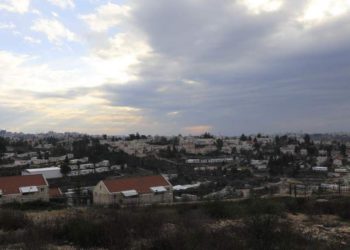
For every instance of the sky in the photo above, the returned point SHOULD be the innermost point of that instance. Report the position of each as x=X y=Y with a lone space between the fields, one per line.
x=175 y=67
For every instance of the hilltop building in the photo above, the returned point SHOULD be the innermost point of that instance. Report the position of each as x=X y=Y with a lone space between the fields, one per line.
x=23 y=189
x=136 y=191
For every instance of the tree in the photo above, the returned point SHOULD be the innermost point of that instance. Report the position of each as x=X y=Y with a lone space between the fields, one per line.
x=312 y=150
x=219 y=144
x=234 y=150
x=3 y=144
x=243 y=137
x=46 y=155
x=59 y=150
x=256 y=145
x=275 y=166
x=307 y=139
x=343 y=149
x=96 y=151
x=207 y=135
x=169 y=152
x=65 y=169
x=80 y=147
x=39 y=154
x=163 y=140
x=175 y=140
x=78 y=191
x=277 y=140
x=329 y=149
x=174 y=148
x=52 y=140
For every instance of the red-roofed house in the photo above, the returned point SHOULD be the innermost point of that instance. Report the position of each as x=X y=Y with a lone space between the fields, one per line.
x=23 y=188
x=142 y=190
x=55 y=192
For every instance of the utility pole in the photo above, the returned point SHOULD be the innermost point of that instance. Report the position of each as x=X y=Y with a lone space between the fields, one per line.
x=290 y=189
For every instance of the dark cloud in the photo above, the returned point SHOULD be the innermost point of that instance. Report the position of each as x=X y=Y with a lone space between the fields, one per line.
x=214 y=63
x=257 y=72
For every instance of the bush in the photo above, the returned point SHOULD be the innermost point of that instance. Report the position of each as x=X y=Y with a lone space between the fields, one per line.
x=12 y=220
x=34 y=205
x=265 y=232
x=198 y=237
x=192 y=226
x=82 y=231
x=264 y=206
x=217 y=210
x=340 y=207
x=294 y=205
x=261 y=230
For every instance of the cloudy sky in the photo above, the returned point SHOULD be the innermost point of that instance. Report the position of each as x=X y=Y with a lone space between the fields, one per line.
x=170 y=67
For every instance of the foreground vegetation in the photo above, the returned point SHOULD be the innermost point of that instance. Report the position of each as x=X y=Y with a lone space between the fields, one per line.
x=250 y=224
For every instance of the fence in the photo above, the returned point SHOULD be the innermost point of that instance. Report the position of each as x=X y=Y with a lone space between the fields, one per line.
x=322 y=188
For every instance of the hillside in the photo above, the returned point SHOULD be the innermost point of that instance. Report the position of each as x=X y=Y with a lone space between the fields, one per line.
x=251 y=224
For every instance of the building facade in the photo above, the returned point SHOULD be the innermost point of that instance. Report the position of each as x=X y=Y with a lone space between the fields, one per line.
x=23 y=189
x=133 y=191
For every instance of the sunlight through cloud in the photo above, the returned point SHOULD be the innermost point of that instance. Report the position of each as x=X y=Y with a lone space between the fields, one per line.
x=318 y=11
x=261 y=6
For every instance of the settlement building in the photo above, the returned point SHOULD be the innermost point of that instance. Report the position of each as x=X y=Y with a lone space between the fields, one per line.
x=55 y=193
x=48 y=173
x=135 y=191
x=23 y=189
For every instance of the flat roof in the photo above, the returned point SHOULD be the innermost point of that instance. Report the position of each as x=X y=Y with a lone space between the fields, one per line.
x=42 y=169
x=129 y=193
x=158 y=189
x=29 y=189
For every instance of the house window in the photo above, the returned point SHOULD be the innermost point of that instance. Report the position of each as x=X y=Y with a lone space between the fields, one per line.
x=42 y=189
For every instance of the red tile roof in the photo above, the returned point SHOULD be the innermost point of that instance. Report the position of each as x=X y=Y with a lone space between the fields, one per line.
x=11 y=184
x=141 y=184
x=55 y=192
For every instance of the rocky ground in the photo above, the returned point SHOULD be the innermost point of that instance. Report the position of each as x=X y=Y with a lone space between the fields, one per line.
x=322 y=227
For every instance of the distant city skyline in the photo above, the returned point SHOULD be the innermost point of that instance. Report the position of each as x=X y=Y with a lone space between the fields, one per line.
x=175 y=67
x=77 y=133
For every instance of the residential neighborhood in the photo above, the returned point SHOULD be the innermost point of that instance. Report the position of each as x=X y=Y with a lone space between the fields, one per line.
x=87 y=169
x=174 y=125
